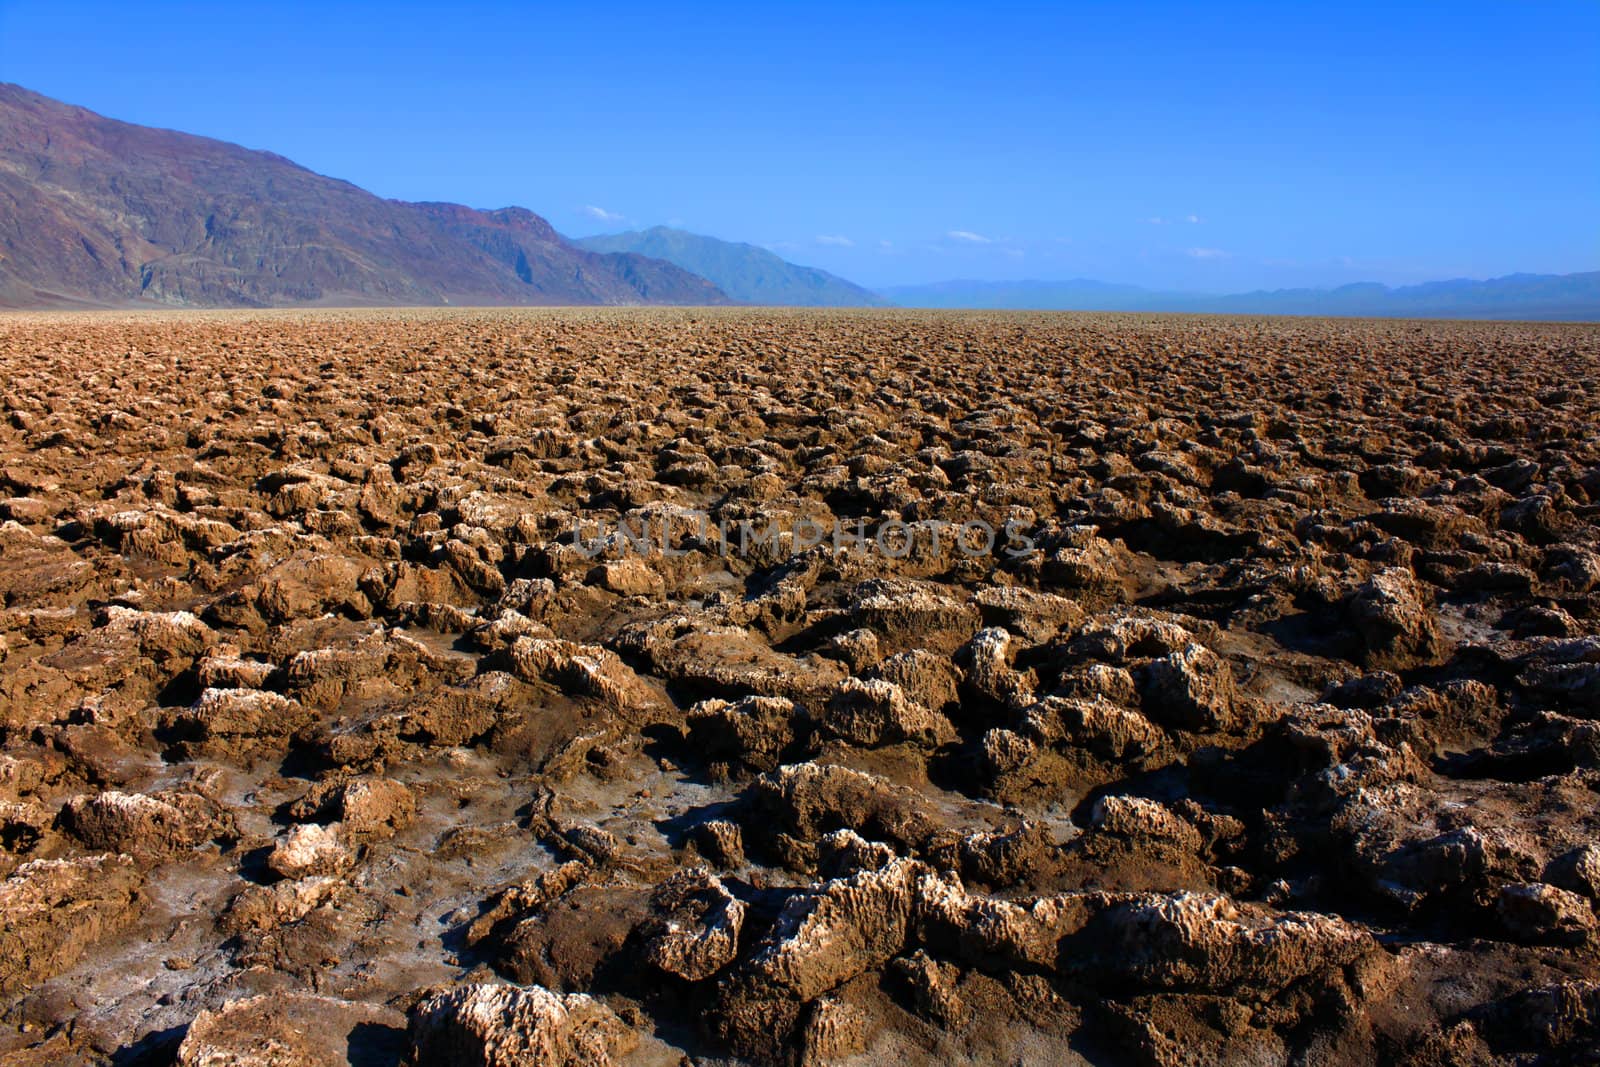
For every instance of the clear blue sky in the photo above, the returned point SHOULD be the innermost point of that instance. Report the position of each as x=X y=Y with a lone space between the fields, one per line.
x=1209 y=146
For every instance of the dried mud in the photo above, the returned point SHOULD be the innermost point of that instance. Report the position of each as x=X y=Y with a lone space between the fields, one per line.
x=322 y=742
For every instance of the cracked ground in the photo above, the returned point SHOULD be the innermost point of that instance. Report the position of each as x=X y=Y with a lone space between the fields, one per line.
x=324 y=741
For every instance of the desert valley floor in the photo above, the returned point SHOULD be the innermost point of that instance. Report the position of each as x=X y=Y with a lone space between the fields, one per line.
x=342 y=722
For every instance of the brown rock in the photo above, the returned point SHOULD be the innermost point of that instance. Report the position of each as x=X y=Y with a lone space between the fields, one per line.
x=571 y=941
x=1578 y=871
x=507 y=1026
x=1191 y=689
x=695 y=929
x=931 y=680
x=150 y=827
x=751 y=732
x=308 y=849
x=582 y=670
x=224 y=715
x=834 y=1030
x=1540 y=913
x=53 y=911
x=908 y=615
x=284 y=1030
x=850 y=925
x=877 y=712
x=1206 y=942
x=795 y=806
x=264 y=909
x=932 y=989
x=721 y=842
x=1396 y=627
x=627 y=577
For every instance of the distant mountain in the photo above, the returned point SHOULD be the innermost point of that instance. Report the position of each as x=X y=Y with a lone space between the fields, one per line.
x=99 y=212
x=748 y=274
x=1516 y=296
x=1570 y=297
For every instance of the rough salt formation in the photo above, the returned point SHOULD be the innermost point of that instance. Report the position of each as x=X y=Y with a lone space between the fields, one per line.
x=508 y=1026
x=285 y=1030
x=540 y=687
x=53 y=911
x=309 y=849
x=695 y=929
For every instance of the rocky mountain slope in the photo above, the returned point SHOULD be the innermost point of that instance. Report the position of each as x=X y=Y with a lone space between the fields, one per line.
x=99 y=212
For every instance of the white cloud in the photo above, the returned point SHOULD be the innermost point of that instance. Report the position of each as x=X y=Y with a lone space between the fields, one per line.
x=968 y=235
x=602 y=214
x=1208 y=253
x=836 y=240
x=1156 y=220
x=1193 y=218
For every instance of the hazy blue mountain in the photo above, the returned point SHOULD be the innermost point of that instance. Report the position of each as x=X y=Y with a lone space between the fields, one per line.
x=1516 y=296
x=1570 y=297
x=748 y=274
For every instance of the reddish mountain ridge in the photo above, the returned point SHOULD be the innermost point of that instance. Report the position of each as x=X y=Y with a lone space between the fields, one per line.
x=96 y=212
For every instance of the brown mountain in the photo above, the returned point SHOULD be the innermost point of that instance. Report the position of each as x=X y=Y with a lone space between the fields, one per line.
x=99 y=212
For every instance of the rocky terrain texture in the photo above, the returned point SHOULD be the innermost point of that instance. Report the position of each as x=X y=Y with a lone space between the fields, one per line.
x=322 y=741
x=97 y=212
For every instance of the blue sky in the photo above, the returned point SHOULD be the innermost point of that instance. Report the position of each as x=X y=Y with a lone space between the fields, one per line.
x=1212 y=146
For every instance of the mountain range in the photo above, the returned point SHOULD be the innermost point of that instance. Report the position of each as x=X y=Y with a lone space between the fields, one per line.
x=746 y=272
x=100 y=213
x=1516 y=296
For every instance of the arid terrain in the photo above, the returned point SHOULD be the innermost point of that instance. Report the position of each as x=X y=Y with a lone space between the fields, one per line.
x=327 y=740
